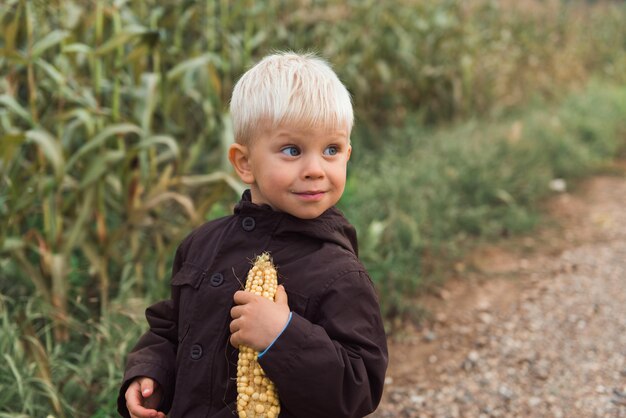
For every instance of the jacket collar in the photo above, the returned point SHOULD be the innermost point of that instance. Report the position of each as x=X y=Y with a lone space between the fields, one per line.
x=330 y=226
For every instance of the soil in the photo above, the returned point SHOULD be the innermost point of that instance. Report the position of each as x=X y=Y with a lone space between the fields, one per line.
x=531 y=326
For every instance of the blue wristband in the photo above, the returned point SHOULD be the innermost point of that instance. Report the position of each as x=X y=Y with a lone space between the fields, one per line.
x=278 y=336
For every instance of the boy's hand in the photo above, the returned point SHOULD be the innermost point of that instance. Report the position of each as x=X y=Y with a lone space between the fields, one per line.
x=142 y=397
x=257 y=321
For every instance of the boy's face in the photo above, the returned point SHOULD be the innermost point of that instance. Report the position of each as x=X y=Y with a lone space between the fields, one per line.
x=301 y=171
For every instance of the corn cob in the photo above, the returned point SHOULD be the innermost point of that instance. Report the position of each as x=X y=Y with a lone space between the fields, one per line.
x=256 y=394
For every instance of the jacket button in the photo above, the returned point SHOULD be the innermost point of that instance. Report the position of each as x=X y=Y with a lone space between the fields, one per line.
x=248 y=223
x=196 y=351
x=217 y=279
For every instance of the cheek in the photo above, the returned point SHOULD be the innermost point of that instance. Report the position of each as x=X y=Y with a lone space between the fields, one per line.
x=276 y=178
x=339 y=174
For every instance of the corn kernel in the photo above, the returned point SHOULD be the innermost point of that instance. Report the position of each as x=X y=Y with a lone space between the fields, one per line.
x=256 y=394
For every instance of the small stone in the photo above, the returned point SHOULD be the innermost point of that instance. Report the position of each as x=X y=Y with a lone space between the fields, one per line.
x=483 y=305
x=506 y=393
x=558 y=185
x=470 y=361
x=557 y=412
x=485 y=318
x=473 y=356
x=463 y=329
x=429 y=336
x=620 y=393
x=618 y=401
x=481 y=341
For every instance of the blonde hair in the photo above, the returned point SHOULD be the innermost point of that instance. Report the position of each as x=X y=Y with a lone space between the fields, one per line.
x=287 y=87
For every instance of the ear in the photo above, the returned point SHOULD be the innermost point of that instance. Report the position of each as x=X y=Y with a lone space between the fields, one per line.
x=349 y=152
x=238 y=155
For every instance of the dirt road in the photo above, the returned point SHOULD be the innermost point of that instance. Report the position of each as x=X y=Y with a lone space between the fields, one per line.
x=533 y=328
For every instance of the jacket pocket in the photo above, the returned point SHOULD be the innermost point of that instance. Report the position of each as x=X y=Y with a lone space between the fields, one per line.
x=185 y=284
x=189 y=275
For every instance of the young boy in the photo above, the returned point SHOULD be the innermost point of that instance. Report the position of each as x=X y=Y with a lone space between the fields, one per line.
x=322 y=341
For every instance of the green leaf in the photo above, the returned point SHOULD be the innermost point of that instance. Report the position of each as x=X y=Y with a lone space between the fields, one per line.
x=77 y=47
x=12 y=104
x=85 y=118
x=51 y=71
x=160 y=139
x=121 y=39
x=48 y=41
x=100 y=166
x=9 y=142
x=98 y=140
x=11 y=18
x=78 y=225
x=192 y=64
x=215 y=177
x=50 y=147
x=150 y=96
x=16 y=374
x=12 y=244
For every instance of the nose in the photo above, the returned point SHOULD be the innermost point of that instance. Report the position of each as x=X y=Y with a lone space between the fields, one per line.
x=313 y=169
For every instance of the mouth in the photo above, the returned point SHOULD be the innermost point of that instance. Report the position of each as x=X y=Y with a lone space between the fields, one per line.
x=310 y=195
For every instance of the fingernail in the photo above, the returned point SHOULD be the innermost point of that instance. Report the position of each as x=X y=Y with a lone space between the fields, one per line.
x=146 y=392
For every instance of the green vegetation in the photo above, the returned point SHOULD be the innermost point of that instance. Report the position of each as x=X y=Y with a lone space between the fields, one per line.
x=113 y=126
x=430 y=193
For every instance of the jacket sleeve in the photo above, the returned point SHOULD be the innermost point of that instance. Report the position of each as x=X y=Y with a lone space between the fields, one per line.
x=154 y=355
x=334 y=366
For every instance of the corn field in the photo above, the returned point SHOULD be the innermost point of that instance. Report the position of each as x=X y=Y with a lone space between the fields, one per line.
x=114 y=127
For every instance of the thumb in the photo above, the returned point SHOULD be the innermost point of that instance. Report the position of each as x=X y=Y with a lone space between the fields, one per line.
x=281 y=295
x=147 y=387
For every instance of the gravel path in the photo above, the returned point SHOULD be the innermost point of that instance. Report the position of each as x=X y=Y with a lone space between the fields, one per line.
x=543 y=336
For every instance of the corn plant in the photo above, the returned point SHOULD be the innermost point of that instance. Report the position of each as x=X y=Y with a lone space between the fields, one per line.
x=94 y=173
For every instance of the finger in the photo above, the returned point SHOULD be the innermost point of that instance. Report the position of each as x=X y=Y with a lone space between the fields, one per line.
x=234 y=326
x=147 y=413
x=147 y=386
x=132 y=394
x=242 y=297
x=234 y=339
x=138 y=411
x=135 y=398
x=236 y=311
x=281 y=295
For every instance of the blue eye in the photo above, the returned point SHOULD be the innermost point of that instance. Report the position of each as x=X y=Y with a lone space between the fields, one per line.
x=290 y=151
x=332 y=150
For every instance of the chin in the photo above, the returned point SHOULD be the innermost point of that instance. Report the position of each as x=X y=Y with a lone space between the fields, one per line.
x=310 y=214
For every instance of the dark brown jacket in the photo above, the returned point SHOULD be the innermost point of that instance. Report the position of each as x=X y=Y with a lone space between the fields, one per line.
x=329 y=362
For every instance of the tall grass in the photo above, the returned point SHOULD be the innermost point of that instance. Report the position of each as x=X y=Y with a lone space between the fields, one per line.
x=80 y=377
x=431 y=193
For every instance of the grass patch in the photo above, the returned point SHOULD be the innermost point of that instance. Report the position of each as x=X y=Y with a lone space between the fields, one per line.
x=77 y=378
x=429 y=194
